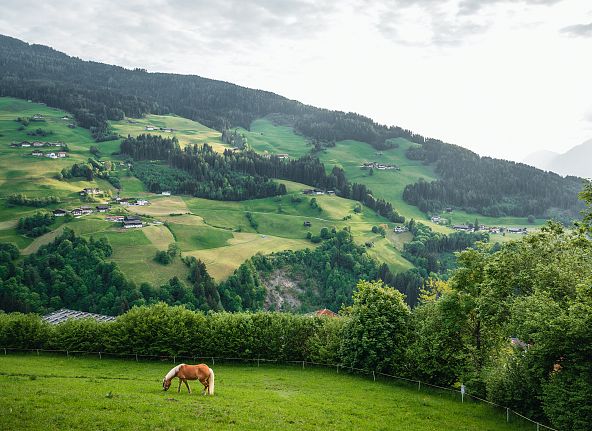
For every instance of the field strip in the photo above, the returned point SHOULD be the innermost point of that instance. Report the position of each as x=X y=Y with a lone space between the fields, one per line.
x=8 y=224
x=159 y=236
x=42 y=240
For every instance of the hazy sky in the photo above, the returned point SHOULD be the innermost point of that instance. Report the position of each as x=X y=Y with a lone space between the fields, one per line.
x=501 y=77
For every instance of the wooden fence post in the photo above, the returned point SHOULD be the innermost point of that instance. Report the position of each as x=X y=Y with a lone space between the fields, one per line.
x=373 y=376
x=507 y=414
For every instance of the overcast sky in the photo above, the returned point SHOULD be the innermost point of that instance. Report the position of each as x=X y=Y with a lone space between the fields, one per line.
x=501 y=77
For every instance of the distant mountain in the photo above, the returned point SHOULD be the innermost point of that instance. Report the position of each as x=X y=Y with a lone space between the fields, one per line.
x=541 y=159
x=576 y=162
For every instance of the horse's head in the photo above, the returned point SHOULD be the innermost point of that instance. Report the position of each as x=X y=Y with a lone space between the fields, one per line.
x=166 y=384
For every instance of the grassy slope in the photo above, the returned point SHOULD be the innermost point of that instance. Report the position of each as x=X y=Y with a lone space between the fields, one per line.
x=59 y=393
x=217 y=232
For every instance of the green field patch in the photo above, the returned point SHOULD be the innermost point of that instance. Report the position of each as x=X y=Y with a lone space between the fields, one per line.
x=185 y=130
x=191 y=237
x=162 y=205
x=222 y=261
x=54 y=392
x=126 y=237
x=159 y=236
x=268 y=138
x=12 y=236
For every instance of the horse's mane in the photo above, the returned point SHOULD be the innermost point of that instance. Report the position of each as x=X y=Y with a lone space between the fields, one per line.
x=173 y=372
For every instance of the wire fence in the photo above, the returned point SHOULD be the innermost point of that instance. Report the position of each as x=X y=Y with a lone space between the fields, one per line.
x=455 y=392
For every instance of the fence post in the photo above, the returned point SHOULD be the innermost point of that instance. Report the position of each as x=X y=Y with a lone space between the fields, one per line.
x=419 y=386
x=5 y=351
x=67 y=354
x=100 y=357
x=303 y=365
x=373 y=376
x=174 y=359
x=213 y=361
x=538 y=426
x=37 y=352
x=257 y=362
x=507 y=414
x=337 y=368
x=136 y=357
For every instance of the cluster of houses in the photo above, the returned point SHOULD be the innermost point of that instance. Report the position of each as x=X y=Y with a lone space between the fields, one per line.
x=80 y=211
x=379 y=166
x=36 y=144
x=132 y=202
x=90 y=191
x=50 y=155
x=490 y=229
x=128 y=222
x=282 y=156
x=159 y=129
x=318 y=192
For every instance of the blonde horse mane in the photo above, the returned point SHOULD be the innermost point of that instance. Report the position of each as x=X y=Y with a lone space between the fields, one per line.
x=173 y=372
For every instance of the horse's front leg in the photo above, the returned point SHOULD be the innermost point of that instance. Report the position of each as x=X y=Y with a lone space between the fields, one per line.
x=205 y=389
x=179 y=388
x=188 y=388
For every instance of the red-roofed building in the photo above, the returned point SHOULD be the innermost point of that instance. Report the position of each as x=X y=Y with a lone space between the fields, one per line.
x=325 y=312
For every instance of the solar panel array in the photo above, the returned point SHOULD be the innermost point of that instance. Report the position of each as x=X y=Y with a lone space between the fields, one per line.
x=64 y=314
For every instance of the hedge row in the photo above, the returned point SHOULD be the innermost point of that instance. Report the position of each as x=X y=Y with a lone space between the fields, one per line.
x=168 y=331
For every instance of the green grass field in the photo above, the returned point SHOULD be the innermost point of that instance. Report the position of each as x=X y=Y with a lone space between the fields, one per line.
x=54 y=392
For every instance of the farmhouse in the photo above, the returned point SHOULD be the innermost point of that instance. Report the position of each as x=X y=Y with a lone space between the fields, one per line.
x=435 y=219
x=76 y=212
x=38 y=144
x=130 y=222
x=400 y=229
x=36 y=153
x=115 y=218
x=313 y=192
x=521 y=230
x=51 y=155
x=59 y=212
x=462 y=227
x=86 y=210
x=307 y=224
x=142 y=202
x=330 y=192
x=379 y=166
x=102 y=208
x=90 y=191
x=25 y=144
x=166 y=193
x=282 y=156
x=150 y=128
x=61 y=154
x=325 y=312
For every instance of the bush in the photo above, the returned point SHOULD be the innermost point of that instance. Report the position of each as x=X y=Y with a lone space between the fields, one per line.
x=375 y=336
x=23 y=331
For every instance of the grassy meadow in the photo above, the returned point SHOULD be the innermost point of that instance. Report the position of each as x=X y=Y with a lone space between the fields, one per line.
x=77 y=393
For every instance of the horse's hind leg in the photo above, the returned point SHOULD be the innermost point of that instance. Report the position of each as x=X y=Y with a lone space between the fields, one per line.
x=188 y=388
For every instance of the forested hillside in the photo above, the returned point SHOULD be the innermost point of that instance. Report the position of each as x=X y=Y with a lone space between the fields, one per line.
x=96 y=92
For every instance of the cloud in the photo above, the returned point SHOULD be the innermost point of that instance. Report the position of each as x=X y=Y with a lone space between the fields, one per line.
x=470 y=7
x=578 y=30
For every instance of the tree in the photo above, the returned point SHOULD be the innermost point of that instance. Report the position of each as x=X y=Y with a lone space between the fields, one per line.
x=375 y=336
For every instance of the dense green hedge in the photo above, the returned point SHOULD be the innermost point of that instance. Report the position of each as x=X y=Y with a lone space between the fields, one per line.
x=165 y=330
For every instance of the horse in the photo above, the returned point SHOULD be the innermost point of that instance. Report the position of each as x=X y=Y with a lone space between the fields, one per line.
x=185 y=372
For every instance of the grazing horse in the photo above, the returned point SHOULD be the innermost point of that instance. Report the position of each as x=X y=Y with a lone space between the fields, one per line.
x=185 y=372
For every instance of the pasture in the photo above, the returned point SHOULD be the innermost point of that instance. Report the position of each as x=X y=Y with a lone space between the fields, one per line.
x=77 y=393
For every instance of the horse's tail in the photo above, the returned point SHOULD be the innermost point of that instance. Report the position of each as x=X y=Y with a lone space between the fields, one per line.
x=211 y=383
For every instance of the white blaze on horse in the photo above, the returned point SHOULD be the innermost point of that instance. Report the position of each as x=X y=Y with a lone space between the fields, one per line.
x=185 y=372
